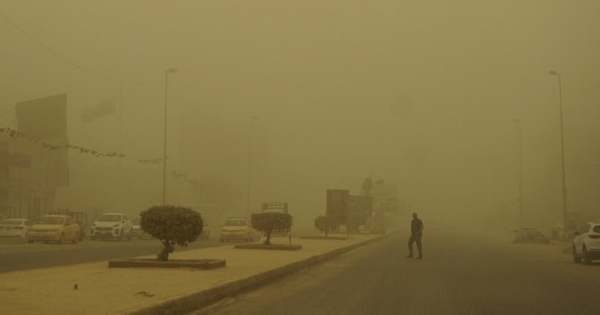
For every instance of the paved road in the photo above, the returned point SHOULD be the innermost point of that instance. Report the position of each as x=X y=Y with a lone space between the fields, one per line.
x=40 y=255
x=25 y=256
x=461 y=274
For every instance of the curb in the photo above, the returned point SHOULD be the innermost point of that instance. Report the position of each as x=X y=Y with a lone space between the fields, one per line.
x=153 y=263
x=198 y=300
x=268 y=247
x=13 y=241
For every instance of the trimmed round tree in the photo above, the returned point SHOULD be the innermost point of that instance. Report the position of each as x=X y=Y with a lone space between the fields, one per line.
x=172 y=225
x=269 y=222
x=324 y=224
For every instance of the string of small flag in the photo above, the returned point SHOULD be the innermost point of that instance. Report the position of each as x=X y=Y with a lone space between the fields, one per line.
x=15 y=134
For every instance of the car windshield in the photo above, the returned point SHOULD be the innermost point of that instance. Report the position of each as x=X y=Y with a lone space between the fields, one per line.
x=236 y=222
x=12 y=222
x=109 y=218
x=51 y=220
x=596 y=229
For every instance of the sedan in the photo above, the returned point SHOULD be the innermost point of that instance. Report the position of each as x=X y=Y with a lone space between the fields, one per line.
x=56 y=228
x=15 y=227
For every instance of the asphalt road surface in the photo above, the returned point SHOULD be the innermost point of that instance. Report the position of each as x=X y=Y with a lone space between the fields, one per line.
x=461 y=274
x=40 y=255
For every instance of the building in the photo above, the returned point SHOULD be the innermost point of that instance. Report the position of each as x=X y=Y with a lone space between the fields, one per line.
x=33 y=158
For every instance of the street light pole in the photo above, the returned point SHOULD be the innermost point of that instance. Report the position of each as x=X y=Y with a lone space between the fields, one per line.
x=164 y=192
x=249 y=177
x=562 y=152
x=520 y=124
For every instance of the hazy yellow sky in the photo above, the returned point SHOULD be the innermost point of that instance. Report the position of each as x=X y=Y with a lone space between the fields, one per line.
x=423 y=93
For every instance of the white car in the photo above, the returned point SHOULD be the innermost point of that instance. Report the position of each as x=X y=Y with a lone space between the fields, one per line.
x=237 y=229
x=15 y=227
x=111 y=225
x=586 y=245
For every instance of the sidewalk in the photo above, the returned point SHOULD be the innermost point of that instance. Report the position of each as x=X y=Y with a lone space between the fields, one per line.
x=100 y=290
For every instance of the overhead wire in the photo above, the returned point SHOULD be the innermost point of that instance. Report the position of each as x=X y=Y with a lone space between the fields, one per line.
x=67 y=60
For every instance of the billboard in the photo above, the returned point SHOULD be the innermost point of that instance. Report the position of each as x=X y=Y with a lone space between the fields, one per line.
x=361 y=208
x=385 y=197
x=45 y=117
x=338 y=202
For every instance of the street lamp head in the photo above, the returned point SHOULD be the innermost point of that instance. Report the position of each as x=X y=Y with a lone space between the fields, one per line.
x=171 y=70
x=554 y=72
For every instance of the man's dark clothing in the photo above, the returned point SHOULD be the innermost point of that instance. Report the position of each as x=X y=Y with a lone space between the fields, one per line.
x=416 y=235
x=416 y=225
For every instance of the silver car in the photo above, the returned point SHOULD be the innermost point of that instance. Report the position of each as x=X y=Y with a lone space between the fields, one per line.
x=586 y=245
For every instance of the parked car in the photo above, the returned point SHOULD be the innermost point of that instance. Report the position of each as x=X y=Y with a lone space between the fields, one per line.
x=237 y=229
x=54 y=228
x=586 y=245
x=79 y=216
x=112 y=225
x=15 y=227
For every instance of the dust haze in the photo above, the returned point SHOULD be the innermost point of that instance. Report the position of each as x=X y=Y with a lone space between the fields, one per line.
x=281 y=100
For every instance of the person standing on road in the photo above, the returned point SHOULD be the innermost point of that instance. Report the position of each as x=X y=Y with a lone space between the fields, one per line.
x=416 y=234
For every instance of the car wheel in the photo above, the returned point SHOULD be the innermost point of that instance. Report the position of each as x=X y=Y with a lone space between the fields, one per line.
x=121 y=235
x=61 y=238
x=75 y=238
x=586 y=257
x=576 y=259
x=130 y=235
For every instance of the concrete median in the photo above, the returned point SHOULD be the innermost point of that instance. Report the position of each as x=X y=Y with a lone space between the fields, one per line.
x=103 y=290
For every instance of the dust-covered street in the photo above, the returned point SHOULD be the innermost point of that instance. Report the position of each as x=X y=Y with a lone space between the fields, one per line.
x=139 y=140
x=461 y=273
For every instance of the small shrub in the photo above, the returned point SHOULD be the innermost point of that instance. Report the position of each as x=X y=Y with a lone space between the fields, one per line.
x=171 y=225
x=268 y=222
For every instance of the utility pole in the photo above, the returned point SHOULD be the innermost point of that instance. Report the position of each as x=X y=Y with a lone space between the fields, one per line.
x=520 y=200
x=249 y=176
x=164 y=192
x=562 y=153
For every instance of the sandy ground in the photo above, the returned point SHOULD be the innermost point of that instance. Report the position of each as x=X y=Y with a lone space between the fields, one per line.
x=101 y=290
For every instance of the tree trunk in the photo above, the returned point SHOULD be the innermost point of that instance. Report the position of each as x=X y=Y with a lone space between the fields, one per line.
x=166 y=250
x=268 y=240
